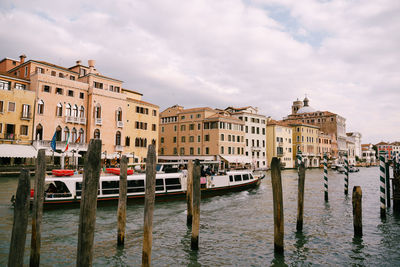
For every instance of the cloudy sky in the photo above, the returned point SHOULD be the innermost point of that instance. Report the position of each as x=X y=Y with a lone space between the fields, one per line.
x=344 y=55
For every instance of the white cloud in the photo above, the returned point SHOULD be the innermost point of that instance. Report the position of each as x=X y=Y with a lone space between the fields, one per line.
x=343 y=54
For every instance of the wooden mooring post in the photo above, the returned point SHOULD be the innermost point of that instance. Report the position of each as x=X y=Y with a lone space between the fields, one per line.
x=189 y=193
x=149 y=205
x=194 y=242
x=278 y=205
x=87 y=216
x=300 y=197
x=357 y=211
x=121 y=214
x=21 y=213
x=37 y=211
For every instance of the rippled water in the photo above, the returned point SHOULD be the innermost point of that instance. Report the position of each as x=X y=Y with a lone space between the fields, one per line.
x=235 y=229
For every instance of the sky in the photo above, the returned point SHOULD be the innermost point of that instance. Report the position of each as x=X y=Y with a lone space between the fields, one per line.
x=343 y=54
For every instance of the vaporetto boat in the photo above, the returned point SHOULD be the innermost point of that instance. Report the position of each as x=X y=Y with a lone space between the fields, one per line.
x=68 y=190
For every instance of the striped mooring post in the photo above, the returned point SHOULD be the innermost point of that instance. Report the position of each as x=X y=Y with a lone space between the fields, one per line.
x=326 y=176
x=382 y=177
x=346 y=173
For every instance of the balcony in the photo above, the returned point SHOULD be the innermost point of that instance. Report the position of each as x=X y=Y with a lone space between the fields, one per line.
x=120 y=124
x=9 y=136
x=98 y=121
x=119 y=148
x=280 y=144
x=82 y=121
x=279 y=154
x=69 y=119
x=255 y=148
x=60 y=145
x=26 y=116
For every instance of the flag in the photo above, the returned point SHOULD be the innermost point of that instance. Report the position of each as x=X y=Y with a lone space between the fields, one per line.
x=53 y=142
x=66 y=148
x=78 y=139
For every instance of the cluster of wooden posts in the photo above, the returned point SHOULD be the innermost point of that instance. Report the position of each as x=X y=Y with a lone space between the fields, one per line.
x=278 y=200
x=88 y=206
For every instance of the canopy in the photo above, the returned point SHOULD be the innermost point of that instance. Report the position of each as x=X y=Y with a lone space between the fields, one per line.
x=178 y=158
x=17 y=151
x=237 y=159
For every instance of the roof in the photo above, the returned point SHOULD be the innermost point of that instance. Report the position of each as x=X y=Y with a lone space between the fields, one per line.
x=10 y=75
x=17 y=151
x=143 y=102
x=131 y=91
x=280 y=123
x=381 y=143
x=219 y=116
x=306 y=109
x=236 y=159
x=190 y=110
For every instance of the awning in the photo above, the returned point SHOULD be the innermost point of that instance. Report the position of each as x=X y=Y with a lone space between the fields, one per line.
x=17 y=151
x=178 y=158
x=237 y=159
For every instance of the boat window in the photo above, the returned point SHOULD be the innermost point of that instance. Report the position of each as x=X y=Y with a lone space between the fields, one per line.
x=251 y=176
x=110 y=187
x=230 y=178
x=172 y=183
x=57 y=189
x=135 y=186
x=238 y=177
x=78 y=189
x=159 y=185
x=245 y=177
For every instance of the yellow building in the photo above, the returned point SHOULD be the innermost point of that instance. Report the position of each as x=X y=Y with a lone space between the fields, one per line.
x=279 y=143
x=202 y=133
x=16 y=108
x=141 y=128
x=305 y=139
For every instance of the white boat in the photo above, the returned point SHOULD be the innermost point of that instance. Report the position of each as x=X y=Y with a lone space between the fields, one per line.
x=61 y=190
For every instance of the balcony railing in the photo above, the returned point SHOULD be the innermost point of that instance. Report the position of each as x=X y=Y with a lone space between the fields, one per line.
x=119 y=148
x=9 y=136
x=69 y=119
x=26 y=116
x=255 y=148
x=82 y=121
x=98 y=121
x=279 y=154
x=120 y=124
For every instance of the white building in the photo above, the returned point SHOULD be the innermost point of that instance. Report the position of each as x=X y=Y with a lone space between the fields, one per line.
x=355 y=137
x=368 y=153
x=255 y=132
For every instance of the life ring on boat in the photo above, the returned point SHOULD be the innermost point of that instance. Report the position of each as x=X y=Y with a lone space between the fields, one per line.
x=32 y=192
x=61 y=172
x=117 y=171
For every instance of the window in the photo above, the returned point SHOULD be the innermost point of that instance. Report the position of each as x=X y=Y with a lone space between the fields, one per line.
x=207 y=151
x=97 y=111
x=191 y=151
x=24 y=130
x=68 y=110
x=154 y=112
x=59 y=91
x=4 y=85
x=26 y=71
x=82 y=112
x=72 y=78
x=191 y=127
x=162 y=140
x=97 y=134
x=199 y=138
x=183 y=127
x=1 y=106
x=26 y=110
x=39 y=70
x=53 y=73
x=20 y=86
x=75 y=111
x=11 y=106
x=182 y=151
x=207 y=137
x=198 y=151
x=81 y=95
x=119 y=114
x=46 y=88
x=222 y=150
x=191 y=139
x=40 y=109
x=98 y=85
x=174 y=139
x=182 y=117
x=183 y=139
x=118 y=138
x=222 y=137
x=70 y=93
x=198 y=116
x=175 y=151
x=61 y=75
x=198 y=126
x=154 y=127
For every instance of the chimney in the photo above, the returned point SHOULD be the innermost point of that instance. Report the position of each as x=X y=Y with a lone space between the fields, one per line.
x=91 y=65
x=78 y=62
x=22 y=58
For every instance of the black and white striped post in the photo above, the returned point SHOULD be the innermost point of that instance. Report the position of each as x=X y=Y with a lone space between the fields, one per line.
x=382 y=171
x=326 y=176
x=346 y=173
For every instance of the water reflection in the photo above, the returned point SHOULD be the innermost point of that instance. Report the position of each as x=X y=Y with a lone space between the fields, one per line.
x=279 y=260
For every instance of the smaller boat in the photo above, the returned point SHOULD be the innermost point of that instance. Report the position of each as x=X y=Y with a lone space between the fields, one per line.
x=353 y=169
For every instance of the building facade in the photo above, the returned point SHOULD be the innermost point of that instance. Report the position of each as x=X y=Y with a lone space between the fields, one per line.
x=328 y=122
x=279 y=143
x=355 y=137
x=202 y=133
x=325 y=145
x=255 y=134
x=368 y=154
x=305 y=139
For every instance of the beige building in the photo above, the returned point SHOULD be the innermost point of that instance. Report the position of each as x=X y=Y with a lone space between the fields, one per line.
x=279 y=142
x=16 y=108
x=141 y=128
x=203 y=133
x=78 y=103
x=305 y=139
x=324 y=145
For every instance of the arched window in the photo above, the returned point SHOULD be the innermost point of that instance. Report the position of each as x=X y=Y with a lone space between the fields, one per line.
x=97 y=111
x=97 y=134
x=118 y=138
x=59 y=110
x=66 y=133
x=58 y=133
x=127 y=141
x=75 y=111
x=74 y=135
x=82 y=112
x=40 y=107
x=153 y=142
x=68 y=110
x=119 y=114
x=81 y=136
x=39 y=132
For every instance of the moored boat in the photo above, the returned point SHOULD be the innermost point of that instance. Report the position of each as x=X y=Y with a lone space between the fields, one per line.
x=68 y=189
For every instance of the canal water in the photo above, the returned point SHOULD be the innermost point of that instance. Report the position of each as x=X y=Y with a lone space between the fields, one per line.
x=235 y=229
